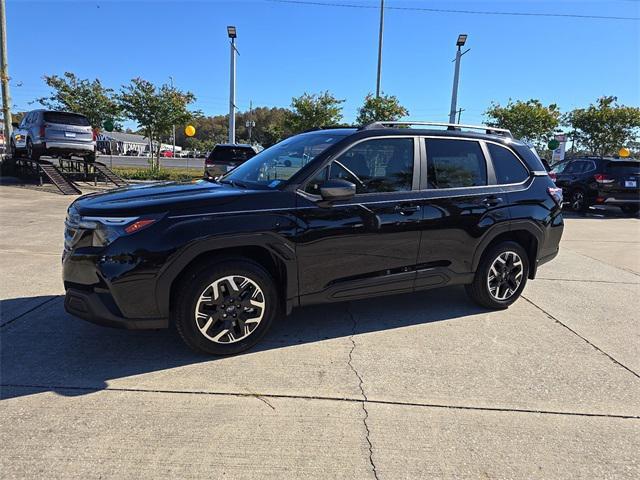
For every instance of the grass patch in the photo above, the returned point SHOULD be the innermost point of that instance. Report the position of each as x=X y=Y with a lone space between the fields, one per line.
x=176 y=174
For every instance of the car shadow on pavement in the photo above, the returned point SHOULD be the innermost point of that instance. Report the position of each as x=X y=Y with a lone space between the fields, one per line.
x=49 y=350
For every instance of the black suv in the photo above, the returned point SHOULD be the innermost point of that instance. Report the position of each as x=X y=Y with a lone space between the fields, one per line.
x=225 y=157
x=324 y=216
x=590 y=181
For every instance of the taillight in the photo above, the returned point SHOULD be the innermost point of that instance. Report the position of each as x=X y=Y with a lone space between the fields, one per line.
x=553 y=176
x=42 y=130
x=208 y=161
x=602 y=178
x=556 y=194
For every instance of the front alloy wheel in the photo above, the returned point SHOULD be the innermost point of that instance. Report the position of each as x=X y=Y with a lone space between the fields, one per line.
x=230 y=309
x=225 y=306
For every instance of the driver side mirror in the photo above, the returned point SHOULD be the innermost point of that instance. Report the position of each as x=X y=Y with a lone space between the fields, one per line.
x=337 y=189
x=15 y=124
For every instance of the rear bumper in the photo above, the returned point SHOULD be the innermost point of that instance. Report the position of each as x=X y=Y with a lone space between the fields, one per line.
x=622 y=201
x=91 y=307
x=70 y=147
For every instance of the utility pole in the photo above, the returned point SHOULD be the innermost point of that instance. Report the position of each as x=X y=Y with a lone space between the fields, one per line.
x=4 y=74
x=462 y=38
x=460 y=110
x=173 y=127
x=380 y=47
x=231 y=31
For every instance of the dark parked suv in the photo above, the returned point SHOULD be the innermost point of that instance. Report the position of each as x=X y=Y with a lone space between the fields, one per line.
x=225 y=157
x=590 y=181
x=324 y=216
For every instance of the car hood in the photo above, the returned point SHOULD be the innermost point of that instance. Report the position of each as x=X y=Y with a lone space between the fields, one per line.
x=158 y=198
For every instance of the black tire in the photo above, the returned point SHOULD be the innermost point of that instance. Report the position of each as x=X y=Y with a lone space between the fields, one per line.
x=32 y=153
x=13 y=149
x=578 y=200
x=198 y=281
x=630 y=209
x=91 y=157
x=479 y=290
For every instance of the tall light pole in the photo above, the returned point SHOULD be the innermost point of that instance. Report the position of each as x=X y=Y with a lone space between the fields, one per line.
x=231 y=31
x=173 y=127
x=4 y=77
x=380 y=48
x=462 y=38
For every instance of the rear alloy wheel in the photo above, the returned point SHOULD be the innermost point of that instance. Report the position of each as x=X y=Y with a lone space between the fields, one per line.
x=501 y=276
x=578 y=201
x=31 y=151
x=226 y=307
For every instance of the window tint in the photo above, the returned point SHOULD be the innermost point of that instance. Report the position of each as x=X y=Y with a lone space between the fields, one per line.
x=507 y=166
x=576 y=166
x=382 y=165
x=66 y=118
x=313 y=186
x=222 y=154
x=455 y=163
x=624 y=167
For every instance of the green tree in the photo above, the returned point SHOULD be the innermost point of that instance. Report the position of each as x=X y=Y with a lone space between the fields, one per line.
x=155 y=109
x=90 y=98
x=383 y=108
x=530 y=121
x=605 y=127
x=313 y=111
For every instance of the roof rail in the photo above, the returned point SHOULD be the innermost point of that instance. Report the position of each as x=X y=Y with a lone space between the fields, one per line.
x=450 y=126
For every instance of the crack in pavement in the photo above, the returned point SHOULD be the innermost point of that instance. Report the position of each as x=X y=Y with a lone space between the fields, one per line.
x=605 y=263
x=315 y=397
x=361 y=386
x=580 y=336
x=44 y=302
x=586 y=281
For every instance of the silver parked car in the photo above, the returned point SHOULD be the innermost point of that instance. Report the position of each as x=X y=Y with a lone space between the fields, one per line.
x=46 y=132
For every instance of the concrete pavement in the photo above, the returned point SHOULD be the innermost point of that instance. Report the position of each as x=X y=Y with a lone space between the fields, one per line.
x=411 y=386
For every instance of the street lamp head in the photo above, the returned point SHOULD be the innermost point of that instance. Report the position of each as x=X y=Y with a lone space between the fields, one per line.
x=462 y=39
x=231 y=31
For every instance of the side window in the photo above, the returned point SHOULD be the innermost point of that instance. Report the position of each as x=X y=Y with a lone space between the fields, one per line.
x=455 y=164
x=575 y=167
x=380 y=165
x=507 y=166
x=589 y=166
x=25 y=120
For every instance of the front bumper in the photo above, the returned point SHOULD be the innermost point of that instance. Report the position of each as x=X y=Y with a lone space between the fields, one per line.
x=92 y=307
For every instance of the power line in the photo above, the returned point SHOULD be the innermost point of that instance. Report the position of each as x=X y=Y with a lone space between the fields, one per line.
x=448 y=10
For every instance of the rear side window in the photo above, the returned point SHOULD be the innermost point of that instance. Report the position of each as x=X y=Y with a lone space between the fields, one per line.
x=576 y=166
x=231 y=154
x=66 y=118
x=507 y=166
x=455 y=164
x=559 y=167
x=624 y=168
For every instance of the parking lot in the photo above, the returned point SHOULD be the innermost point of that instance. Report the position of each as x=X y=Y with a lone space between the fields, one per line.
x=413 y=386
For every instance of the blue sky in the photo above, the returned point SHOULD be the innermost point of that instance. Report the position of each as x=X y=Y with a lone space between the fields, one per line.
x=287 y=49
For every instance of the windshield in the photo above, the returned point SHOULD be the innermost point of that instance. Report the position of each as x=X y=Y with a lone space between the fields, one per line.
x=280 y=162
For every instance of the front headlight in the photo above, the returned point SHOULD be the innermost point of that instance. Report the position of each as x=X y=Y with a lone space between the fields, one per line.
x=108 y=229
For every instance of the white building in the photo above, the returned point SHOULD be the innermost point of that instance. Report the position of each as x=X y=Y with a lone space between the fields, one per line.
x=119 y=143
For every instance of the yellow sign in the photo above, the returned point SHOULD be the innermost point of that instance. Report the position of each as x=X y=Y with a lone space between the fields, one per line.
x=190 y=131
x=624 y=152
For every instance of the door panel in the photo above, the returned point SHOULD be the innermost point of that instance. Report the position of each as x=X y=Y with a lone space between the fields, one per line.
x=369 y=243
x=460 y=203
